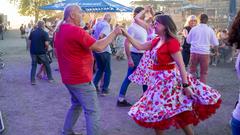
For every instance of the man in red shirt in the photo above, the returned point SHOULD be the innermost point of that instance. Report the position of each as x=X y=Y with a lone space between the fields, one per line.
x=74 y=51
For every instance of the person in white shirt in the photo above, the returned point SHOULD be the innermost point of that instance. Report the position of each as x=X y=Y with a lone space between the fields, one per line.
x=133 y=55
x=201 y=37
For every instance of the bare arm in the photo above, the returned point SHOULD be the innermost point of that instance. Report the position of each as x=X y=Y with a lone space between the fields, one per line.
x=152 y=11
x=102 y=36
x=127 y=49
x=185 y=33
x=141 y=22
x=128 y=53
x=136 y=44
x=179 y=61
x=101 y=44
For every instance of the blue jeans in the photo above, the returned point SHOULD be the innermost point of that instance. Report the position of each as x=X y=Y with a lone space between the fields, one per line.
x=1 y=35
x=235 y=124
x=83 y=96
x=44 y=60
x=104 y=66
x=136 y=59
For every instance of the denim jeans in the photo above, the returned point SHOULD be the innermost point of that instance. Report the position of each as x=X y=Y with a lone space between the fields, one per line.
x=83 y=96
x=136 y=59
x=44 y=60
x=235 y=125
x=104 y=66
x=1 y=35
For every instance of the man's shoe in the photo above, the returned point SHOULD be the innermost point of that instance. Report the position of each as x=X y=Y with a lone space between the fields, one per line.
x=33 y=82
x=105 y=93
x=51 y=81
x=124 y=103
x=75 y=133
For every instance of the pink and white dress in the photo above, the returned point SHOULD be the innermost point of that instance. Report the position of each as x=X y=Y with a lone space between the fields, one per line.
x=164 y=104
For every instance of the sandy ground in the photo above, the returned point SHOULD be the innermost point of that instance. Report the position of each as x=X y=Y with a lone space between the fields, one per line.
x=40 y=109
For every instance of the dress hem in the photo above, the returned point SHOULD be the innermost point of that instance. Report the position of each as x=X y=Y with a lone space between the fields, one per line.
x=199 y=113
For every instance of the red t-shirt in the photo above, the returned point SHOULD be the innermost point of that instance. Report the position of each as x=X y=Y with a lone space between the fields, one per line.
x=75 y=59
x=171 y=46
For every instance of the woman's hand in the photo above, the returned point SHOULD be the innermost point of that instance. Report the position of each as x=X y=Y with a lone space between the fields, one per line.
x=118 y=30
x=147 y=8
x=130 y=63
x=124 y=32
x=188 y=92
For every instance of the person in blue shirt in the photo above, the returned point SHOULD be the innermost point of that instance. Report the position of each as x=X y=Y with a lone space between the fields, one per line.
x=39 y=42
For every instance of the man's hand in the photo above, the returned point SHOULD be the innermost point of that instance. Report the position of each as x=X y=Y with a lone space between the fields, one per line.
x=130 y=62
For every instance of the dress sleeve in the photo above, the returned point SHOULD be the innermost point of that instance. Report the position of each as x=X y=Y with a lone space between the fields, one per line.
x=174 y=46
x=84 y=39
x=154 y=42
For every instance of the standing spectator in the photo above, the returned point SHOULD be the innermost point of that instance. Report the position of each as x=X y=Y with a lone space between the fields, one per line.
x=74 y=52
x=190 y=23
x=119 y=43
x=133 y=55
x=39 y=42
x=1 y=30
x=103 y=58
x=22 y=31
x=200 y=47
x=224 y=48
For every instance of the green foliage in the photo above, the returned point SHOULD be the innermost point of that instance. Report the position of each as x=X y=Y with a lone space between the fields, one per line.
x=31 y=8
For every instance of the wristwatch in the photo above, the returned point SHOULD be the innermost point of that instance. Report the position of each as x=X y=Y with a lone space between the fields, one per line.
x=185 y=85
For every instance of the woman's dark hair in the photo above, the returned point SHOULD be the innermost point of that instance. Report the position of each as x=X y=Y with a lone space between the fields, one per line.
x=159 y=13
x=171 y=28
x=203 y=18
x=138 y=10
x=234 y=34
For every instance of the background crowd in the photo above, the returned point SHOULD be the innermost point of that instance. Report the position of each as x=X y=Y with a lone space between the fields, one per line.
x=219 y=48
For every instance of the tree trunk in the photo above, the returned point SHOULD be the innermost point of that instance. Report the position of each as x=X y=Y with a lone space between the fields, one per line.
x=36 y=15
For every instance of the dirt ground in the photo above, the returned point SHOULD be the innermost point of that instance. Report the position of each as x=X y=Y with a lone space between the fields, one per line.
x=40 y=109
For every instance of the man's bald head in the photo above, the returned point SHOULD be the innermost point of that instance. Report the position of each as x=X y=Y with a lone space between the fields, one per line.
x=72 y=13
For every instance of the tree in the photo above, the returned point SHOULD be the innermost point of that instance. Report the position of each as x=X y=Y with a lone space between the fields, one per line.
x=31 y=8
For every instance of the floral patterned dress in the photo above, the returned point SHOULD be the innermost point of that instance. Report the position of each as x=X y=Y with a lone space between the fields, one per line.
x=164 y=104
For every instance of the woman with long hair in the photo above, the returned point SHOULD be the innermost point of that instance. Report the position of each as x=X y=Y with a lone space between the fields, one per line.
x=173 y=98
x=190 y=23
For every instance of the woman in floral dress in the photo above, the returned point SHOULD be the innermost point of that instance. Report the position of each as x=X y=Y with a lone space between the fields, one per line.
x=173 y=97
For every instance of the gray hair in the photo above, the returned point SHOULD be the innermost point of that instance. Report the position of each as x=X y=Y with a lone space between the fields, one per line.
x=68 y=9
x=107 y=17
x=40 y=24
